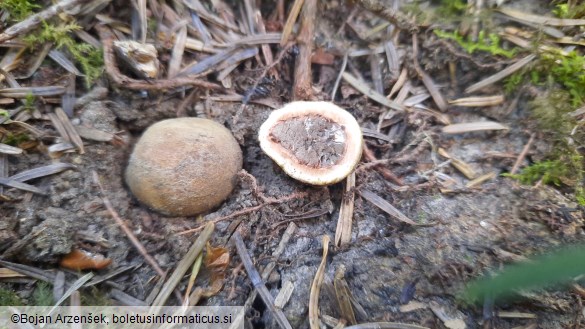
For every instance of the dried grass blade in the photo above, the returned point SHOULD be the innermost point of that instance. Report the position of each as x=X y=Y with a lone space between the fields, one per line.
x=43 y=171
x=479 y=101
x=36 y=63
x=6 y=273
x=500 y=75
x=141 y=9
x=7 y=149
x=316 y=287
x=177 y=53
x=269 y=59
x=459 y=128
x=385 y=206
x=288 y=233
x=30 y=271
x=376 y=73
x=343 y=295
x=426 y=79
x=258 y=284
x=61 y=59
x=68 y=98
x=543 y=20
x=192 y=277
x=460 y=165
x=74 y=287
x=12 y=59
x=392 y=58
x=21 y=186
x=386 y=325
x=3 y=170
x=207 y=63
x=481 y=179
x=416 y=99
x=338 y=80
x=363 y=87
x=343 y=230
x=402 y=78
x=200 y=27
x=290 y=21
x=23 y=92
x=69 y=129
x=183 y=266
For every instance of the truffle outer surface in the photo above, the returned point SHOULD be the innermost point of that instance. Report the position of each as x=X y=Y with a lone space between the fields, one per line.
x=184 y=166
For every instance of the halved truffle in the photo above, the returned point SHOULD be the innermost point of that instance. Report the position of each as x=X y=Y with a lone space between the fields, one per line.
x=317 y=143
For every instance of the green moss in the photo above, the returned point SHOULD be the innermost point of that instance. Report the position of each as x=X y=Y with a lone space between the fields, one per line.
x=514 y=81
x=489 y=43
x=88 y=57
x=95 y=297
x=452 y=8
x=564 y=165
x=9 y=298
x=565 y=10
x=18 y=9
x=15 y=139
x=42 y=295
x=566 y=70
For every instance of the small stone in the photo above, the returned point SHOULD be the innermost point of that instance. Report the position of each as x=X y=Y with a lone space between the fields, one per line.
x=184 y=166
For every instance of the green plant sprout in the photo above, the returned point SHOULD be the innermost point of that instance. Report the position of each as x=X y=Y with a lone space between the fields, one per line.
x=489 y=43
x=89 y=58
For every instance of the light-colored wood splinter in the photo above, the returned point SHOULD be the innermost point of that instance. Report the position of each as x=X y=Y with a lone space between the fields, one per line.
x=343 y=231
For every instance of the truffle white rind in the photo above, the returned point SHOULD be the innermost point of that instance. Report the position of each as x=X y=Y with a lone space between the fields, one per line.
x=291 y=165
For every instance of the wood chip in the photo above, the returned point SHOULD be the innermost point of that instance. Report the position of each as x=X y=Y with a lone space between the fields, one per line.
x=385 y=206
x=459 y=128
x=69 y=129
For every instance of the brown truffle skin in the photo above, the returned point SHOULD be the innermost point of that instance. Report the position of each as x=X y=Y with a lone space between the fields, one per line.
x=184 y=166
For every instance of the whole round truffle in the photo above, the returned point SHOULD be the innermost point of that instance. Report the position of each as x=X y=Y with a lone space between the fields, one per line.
x=184 y=166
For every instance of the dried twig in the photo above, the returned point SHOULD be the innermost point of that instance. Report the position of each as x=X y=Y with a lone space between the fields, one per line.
x=302 y=88
x=258 y=283
x=36 y=19
x=316 y=287
x=522 y=154
x=120 y=79
x=125 y=228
